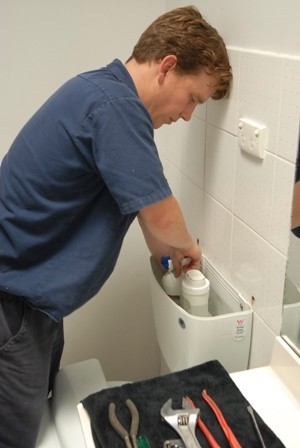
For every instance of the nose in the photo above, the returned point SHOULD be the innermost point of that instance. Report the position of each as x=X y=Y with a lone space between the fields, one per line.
x=186 y=115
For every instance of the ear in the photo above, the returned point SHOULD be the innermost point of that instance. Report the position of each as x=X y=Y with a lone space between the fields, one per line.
x=168 y=63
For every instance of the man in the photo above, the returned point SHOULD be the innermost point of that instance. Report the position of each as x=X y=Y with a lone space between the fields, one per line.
x=296 y=198
x=79 y=172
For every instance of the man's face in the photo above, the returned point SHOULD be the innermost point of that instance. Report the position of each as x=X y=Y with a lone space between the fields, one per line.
x=179 y=95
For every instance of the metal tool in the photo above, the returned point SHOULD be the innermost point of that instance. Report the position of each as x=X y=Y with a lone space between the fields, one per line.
x=175 y=443
x=233 y=442
x=120 y=429
x=250 y=410
x=183 y=421
x=210 y=438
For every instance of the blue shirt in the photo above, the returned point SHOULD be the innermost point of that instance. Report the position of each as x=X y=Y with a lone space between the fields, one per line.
x=296 y=230
x=71 y=185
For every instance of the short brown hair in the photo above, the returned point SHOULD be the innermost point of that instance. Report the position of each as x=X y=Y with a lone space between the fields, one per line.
x=197 y=45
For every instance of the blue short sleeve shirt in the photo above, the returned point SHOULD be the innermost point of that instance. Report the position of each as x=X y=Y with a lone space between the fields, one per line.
x=71 y=185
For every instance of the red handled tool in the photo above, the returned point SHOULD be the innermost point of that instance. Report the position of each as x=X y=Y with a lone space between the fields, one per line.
x=233 y=442
x=210 y=438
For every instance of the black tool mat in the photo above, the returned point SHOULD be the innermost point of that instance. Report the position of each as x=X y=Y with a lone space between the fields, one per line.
x=150 y=395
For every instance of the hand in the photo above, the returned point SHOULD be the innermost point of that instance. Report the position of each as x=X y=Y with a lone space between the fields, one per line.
x=193 y=253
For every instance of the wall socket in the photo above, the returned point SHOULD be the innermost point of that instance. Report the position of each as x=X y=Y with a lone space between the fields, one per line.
x=252 y=137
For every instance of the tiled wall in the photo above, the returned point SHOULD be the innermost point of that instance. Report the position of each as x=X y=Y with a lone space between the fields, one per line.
x=238 y=205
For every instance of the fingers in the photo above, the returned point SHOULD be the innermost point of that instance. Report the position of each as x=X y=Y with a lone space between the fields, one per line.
x=184 y=260
x=177 y=267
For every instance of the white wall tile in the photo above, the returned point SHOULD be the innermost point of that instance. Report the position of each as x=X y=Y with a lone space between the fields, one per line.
x=253 y=191
x=201 y=111
x=280 y=222
x=261 y=345
x=258 y=272
x=259 y=91
x=223 y=113
x=288 y=129
x=190 y=197
x=217 y=234
x=249 y=262
x=173 y=175
x=220 y=165
x=270 y=309
x=191 y=201
x=183 y=144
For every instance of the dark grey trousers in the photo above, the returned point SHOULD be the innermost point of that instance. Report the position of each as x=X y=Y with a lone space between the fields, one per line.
x=31 y=345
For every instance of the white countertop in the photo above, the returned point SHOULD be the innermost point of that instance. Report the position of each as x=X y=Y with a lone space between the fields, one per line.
x=273 y=401
x=274 y=393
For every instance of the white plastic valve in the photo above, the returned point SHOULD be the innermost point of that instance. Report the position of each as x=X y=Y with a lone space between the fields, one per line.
x=195 y=293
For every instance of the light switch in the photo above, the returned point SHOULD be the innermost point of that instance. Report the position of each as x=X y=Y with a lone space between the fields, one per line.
x=252 y=137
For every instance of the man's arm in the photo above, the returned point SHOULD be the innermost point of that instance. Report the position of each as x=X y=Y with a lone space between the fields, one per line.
x=296 y=206
x=165 y=232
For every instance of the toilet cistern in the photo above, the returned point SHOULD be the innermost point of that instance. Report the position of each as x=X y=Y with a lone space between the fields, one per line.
x=225 y=333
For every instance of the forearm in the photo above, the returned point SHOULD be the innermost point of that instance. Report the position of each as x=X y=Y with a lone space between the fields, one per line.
x=156 y=247
x=165 y=223
x=296 y=206
x=166 y=233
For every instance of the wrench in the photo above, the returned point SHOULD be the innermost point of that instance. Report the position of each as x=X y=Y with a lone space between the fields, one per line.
x=175 y=443
x=183 y=421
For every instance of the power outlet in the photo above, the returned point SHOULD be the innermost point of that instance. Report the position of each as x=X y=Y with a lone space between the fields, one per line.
x=252 y=137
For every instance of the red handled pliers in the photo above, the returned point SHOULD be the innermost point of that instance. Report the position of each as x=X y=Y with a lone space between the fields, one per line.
x=233 y=442
x=210 y=438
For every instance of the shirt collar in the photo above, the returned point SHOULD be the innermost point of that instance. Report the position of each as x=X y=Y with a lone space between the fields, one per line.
x=118 y=69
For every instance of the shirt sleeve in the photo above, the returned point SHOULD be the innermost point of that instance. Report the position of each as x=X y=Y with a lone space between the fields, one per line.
x=125 y=153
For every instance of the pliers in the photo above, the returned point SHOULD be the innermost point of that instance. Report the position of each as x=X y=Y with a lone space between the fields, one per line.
x=233 y=442
x=210 y=438
x=130 y=439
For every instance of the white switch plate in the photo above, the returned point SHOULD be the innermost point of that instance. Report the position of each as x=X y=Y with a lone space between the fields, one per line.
x=252 y=137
